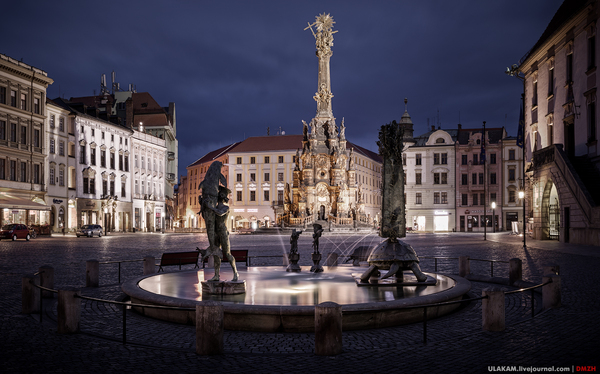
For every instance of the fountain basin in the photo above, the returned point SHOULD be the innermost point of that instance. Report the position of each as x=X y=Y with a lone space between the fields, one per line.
x=277 y=300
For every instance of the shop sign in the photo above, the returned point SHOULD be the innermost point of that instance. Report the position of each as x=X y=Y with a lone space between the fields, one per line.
x=157 y=214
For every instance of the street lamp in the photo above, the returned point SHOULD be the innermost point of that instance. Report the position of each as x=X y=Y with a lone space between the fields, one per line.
x=522 y=196
x=105 y=220
x=494 y=215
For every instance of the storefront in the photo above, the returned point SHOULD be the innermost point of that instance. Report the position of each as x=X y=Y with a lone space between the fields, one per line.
x=18 y=208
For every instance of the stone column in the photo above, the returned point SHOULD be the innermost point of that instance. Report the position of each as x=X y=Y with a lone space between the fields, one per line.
x=493 y=310
x=68 y=311
x=328 y=329
x=551 y=297
x=149 y=265
x=47 y=280
x=209 y=328
x=464 y=267
x=515 y=270
x=30 y=294
x=92 y=273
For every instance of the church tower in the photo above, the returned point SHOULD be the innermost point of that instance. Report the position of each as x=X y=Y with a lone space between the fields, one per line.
x=324 y=186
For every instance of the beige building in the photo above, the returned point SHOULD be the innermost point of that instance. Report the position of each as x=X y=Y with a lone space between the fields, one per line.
x=23 y=135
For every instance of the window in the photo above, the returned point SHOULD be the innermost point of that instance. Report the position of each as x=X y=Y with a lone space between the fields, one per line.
x=13 y=170
x=105 y=187
x=444 y=197
x=23 y=172
x=93 y=156
x=127 y=163
x=36 y=138
x=121 y=162
x=280 y=159
x=474 y=178
x=482 y=198
x=511 y=175
x=82 y=154
x=103 y=158
x=267 y=177
x=23 y=135
x=61 y=124
x=280 y=177
x=436 y=197
x=36 y=174
x=591 y=121
x=61 y=148
x=123 y=189
x=436 y=178
x=511 y=196
x=492 y=159
x=267 y=159
x=137 y=187
x=112 y=137
x=404 y=159
x=253 y=160
x=92 y=185
x=112 y=161
x=492 y=197
x=444 y=178
x=418 y=198
x=238 y=196
x=417 y=178
x=239 y=160
x=238 y=178
x=475 y=159
x=492 y=178
x=534 y=97
x=143 y=163
x=52 y=121
x=2 y=95
x=13 y=132
x=252 y=177
x=2 y=168
x=86 y=185
x=475 y=199
x=252 y=195
x=2 y=130
x=569 y=68
x=465 y=199
x=436 y=158
x=464 y=179
x=112 y=188
x=591 y=52
x=511 y=154
x=23 y=102
x=551 y=80
x=418 y=159
x=61 y=177
x=266 y=195
x=480 y=178
x=36 y=106
x=444 y=159
x=52 y=146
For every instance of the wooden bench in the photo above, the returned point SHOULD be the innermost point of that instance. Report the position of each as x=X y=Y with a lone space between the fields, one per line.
x=178 y=258
x=242 y=230
x=240 y=255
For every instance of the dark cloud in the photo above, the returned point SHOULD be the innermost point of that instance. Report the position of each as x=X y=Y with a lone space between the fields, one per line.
x=234 y=68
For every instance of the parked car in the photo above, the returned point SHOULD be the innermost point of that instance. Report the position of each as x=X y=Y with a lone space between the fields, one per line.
x=15 y=231
x=89 y=230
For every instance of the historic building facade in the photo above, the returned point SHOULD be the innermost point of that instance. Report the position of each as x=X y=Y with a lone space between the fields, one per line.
x=23 y=155
x=512 y=171
x=561 y=128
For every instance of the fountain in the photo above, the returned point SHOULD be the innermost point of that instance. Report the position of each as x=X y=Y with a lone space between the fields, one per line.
x=280 y=299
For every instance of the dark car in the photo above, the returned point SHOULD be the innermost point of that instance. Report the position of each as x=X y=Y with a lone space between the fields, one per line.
x=89 y=230
x=15 y=231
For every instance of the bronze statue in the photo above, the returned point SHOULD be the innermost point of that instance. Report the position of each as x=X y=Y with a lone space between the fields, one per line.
x=215 y=213
x=318 y=230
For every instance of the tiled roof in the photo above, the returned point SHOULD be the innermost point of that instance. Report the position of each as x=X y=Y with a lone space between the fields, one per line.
x=421 y=140
x=494 y=135
x=365 y=152
x=270 y=143
x=210 y=156
x=144 y=102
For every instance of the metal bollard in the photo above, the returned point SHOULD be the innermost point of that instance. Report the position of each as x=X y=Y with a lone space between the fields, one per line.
x=30 y=294
x=92 y=273
x=68 y=311
x=515 y=270
x=464 y=266
x=209 y=328
x=47 y=280
x=328 y=329
x=149 y=265
x=551 y=297
x=493 y=310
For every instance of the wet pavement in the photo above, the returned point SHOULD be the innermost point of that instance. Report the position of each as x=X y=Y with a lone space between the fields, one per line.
x=564 y=337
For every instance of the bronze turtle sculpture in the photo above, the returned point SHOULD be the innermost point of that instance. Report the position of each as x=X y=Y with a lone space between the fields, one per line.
x=394 y=256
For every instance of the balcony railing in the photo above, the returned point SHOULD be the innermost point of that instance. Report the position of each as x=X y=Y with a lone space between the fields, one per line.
x=171 y=156
x=170 y=177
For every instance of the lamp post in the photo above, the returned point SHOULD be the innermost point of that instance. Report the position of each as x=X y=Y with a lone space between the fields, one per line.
x=494 y=215
x=105 y=220
x=522 y=196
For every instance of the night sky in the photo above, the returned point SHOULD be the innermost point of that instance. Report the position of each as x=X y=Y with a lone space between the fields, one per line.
x=234 y=68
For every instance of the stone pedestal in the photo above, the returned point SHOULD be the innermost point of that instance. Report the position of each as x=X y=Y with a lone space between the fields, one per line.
x=316 y=268
x=224 y=287
x=68 y=311
x=328 y=329
x=293 y=266
x=209 y=328
x=493 y=310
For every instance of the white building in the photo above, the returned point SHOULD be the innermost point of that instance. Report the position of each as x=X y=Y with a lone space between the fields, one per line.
x=512 y=176
x=148 y=181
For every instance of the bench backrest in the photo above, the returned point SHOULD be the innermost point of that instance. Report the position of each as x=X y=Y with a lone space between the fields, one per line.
x=179 y=258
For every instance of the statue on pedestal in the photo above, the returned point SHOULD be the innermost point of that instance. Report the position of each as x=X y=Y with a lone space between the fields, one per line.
x=294 y=256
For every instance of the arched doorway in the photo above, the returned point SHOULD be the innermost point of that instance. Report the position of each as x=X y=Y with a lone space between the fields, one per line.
x=550 y=212
x=322 y=212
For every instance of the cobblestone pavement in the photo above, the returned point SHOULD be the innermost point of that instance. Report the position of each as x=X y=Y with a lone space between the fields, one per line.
x=563 y=337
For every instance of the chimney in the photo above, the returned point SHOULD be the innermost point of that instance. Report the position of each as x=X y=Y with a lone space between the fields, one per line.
x=129 y=113
x=432 y=127
x=459 y=126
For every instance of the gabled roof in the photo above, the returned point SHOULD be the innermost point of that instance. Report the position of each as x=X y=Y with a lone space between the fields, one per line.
x=494 y=135
x=365 y=152
x=421 y=140
x=213 y=155
x=270 y=143
x=143 y=102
